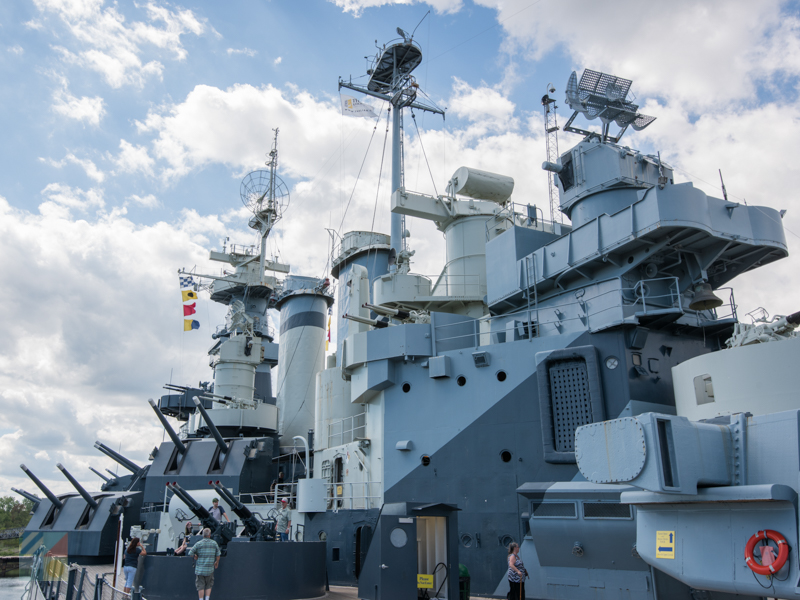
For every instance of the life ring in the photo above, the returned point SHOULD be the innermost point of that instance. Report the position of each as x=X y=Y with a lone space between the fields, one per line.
x=783 y=552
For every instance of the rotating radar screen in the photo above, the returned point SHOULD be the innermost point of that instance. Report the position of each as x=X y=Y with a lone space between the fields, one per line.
x=257 y=188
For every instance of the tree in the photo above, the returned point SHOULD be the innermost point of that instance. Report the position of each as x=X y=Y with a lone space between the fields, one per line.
x=13 y=513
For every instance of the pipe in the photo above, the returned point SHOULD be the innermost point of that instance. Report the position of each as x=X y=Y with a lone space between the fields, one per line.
x=86 y=495
x=305 y=443
x=170 y=431
x=100 y=475
x=50 y=495
x=374 y=323
x=128 y=464
x=223 y=447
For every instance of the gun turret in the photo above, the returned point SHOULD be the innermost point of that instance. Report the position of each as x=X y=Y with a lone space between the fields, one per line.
x=86 y=495
x=28 y=496
x=221 y=534
x=170 y=431
x=128 y=464
x=223 y=447
x=50 y=495
x=99 y=474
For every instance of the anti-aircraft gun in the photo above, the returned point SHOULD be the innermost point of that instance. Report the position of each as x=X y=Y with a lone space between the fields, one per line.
x=219 y=532
x=255 y=528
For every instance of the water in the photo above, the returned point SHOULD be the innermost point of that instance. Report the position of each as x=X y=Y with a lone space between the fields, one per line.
x=11 y=588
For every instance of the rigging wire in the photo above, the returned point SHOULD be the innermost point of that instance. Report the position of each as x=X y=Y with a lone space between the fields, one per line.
x=378 y=191
x=419 y=137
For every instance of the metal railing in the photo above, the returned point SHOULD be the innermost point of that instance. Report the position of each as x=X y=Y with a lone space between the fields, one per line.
x=353 y=495
x=641 y=292
x=347 y=429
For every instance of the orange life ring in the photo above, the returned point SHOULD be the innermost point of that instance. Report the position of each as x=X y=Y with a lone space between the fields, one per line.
x=783 y=552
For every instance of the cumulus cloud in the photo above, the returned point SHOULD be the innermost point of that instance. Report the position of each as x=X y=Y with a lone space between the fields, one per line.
x=357 y=7
x=16 y=49
x=132 y=159
x=61 y=199
x=85 y=163
x=93 y=329
x=90 y=110
x=108 y=44
x=277 y=61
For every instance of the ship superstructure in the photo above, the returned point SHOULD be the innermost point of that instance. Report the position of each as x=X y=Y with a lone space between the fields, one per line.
x=443 y=426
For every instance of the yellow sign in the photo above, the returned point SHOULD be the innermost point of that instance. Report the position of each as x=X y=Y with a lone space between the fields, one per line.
x=665 y=544
x=425 y=581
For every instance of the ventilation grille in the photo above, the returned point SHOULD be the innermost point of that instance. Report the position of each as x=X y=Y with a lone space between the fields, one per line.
x=554 y=509
x=606 y=510
x=572 y=406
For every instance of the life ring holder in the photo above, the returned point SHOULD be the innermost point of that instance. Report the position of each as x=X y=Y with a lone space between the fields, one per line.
x=783 y=552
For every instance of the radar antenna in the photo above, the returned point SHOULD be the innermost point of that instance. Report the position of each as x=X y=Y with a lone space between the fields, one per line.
x=604 y=96
x=390 y=79
x=264 y=193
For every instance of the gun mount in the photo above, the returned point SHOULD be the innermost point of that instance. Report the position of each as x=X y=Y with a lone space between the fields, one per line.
x=128 y=464
x=81 y=490
x=223 y=447
x=219 y=533
x=28 y=496
x=253 y=526
x=50 y=495
x=170 y=431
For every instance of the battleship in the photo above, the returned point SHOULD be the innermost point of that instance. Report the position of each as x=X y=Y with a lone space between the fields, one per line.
x=587 y=390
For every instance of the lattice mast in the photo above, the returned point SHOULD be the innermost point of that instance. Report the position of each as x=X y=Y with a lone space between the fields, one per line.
x=551 y=143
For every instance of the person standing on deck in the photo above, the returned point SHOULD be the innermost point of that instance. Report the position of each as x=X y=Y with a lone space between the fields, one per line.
x=283 y=523
x=517 y=573
x=217 y=511
x=206 y=555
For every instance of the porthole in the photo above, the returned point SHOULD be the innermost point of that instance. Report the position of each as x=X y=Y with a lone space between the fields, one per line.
x=630 y=259
x=501 y=376
x=505 y=456
x=406 y=387
x=322 y=536
x=506 y=541
x=425 y=460
x=398 y=537
x=462 y=381
x=466 y=540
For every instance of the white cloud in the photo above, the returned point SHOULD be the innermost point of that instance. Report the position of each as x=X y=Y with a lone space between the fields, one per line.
x=17 y=49
x=356 y=7
x=85 y=163
x=61 y=198
x=42 y=455
x=245 y=51
x=702 y=55
x=277 y=61
x=485 y=107
x=90 y=110
x=105 y=42
x=132 y=159
x=148 y=201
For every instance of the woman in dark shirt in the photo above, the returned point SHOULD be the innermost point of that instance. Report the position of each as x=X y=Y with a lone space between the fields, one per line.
x=184 y=539
x=132 y=553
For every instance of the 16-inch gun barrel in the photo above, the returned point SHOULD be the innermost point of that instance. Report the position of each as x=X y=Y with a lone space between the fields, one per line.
x=128 y=464
x=170 y=431
x=86 y=495
x=50 y=495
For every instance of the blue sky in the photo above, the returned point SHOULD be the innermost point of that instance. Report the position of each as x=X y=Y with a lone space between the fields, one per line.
x=128 y=127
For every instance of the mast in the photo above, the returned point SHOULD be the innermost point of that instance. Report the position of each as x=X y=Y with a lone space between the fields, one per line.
x=391 y=80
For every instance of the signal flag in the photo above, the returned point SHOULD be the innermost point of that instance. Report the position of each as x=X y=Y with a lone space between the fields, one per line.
x=189 y=324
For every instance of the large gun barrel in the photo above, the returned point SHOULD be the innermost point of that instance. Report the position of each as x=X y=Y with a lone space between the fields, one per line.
x=128 y=464
x=253 y=526
x=387 y=312
x=50 y=495
x=99 y=474
x=198 y=509
x=223 y=447
x=27 y=495
x=86 y=495
x=170 y=431
x=240 y=509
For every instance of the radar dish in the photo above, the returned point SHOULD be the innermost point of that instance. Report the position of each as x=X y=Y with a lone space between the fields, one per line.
x=261 y=195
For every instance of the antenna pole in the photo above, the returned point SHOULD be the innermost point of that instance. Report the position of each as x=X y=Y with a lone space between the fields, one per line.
x=397 y=178
x=266 y=226
x=551 y=142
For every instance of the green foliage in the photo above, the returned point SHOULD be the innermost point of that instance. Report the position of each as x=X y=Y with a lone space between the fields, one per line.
x=14 y=513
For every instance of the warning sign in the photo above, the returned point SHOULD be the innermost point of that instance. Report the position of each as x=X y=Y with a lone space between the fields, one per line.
x=425 y=581
x=665 y=544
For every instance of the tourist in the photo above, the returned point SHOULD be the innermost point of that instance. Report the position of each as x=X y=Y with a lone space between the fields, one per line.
x=184 y=538
x=206 y=554
x=283 y=523
x=516 y=573
x=217 y=511
x=131 y=561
